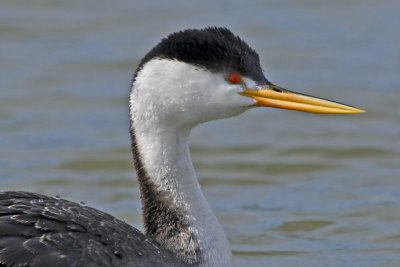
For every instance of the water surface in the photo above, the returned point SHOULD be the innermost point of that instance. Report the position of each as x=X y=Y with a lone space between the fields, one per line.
x=290 y=189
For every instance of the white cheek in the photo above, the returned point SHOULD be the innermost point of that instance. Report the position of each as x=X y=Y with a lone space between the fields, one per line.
x=237 y=99
x=177 y=92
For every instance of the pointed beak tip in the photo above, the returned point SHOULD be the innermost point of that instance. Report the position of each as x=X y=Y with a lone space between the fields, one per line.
x=354 y=110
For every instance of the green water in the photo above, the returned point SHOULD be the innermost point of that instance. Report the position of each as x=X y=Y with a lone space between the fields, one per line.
x=290 y=189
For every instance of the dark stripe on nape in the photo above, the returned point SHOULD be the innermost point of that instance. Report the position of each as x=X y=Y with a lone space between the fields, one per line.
x=163 y=221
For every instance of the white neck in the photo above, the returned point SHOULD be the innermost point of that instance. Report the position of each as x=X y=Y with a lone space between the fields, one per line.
x=175 y=210
x=167 y=162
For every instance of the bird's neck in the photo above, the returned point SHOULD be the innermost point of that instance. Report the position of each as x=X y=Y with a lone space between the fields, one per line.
x=175 y=210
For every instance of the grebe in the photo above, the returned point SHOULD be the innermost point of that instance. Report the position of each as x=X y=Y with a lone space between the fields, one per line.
x=190 y=77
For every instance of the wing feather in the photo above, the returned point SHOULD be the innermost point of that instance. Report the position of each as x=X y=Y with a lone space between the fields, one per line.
x=39 y=231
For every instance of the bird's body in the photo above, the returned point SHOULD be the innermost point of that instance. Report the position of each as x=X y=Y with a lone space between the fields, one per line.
x=190 y=77
x=37 y=230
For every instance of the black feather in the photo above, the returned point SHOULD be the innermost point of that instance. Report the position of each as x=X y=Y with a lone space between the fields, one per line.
x=40 y=231
x=215 y=48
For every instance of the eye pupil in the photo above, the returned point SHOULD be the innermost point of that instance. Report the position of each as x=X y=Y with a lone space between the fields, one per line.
x=234 y=78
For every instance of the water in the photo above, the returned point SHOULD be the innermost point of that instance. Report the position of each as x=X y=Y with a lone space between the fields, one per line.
x=290 y=189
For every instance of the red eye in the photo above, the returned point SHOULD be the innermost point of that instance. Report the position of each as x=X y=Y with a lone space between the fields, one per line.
x=234 y=78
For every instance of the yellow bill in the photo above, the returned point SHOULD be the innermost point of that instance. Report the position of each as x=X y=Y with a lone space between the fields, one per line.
x=277 y=97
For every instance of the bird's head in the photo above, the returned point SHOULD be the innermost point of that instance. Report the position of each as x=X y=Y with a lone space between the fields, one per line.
x=194 y=76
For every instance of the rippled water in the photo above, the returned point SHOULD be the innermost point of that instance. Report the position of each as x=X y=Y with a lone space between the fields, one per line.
x=290 y=189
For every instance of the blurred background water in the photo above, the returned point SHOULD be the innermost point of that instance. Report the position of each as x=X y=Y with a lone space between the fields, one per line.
x=291 y=189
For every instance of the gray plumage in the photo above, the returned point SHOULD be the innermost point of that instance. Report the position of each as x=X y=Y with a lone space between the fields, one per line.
x=37 y=231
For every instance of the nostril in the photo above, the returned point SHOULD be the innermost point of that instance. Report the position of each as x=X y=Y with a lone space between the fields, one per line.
x=277 y=90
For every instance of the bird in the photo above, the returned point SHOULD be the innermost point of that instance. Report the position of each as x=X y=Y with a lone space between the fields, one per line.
x=190 y=77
